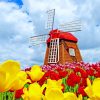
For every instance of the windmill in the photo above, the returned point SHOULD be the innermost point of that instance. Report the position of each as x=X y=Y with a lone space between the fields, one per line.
x=61 y=44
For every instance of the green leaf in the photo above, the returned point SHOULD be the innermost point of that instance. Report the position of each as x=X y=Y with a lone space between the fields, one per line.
x=76 y=88
x=26 y=85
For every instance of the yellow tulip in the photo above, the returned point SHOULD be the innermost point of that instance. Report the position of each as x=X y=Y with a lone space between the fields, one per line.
x=71 y=96
x=93 y=90
x=35 y=73
x=8 y=72
x=33 y=92
x=20 y=81
x=54 y=92
x=54 y=84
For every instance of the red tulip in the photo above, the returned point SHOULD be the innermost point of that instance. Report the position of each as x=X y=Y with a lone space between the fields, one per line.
x=73 y=79
x=81 y=90
x=18 y=93
x=90 y=72
x=63 y=74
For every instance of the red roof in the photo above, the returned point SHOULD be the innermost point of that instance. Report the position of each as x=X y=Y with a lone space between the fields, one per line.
x=61 y=35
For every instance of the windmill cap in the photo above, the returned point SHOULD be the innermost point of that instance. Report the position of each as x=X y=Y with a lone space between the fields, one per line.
x=61 y=35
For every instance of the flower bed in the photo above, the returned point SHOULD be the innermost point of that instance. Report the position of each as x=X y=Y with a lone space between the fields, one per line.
x=77 y=81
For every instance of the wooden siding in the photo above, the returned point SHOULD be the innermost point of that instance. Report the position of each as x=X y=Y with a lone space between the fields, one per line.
x=64 y=55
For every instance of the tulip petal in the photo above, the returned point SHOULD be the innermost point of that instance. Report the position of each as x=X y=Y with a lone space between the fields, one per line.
x=70 y=96
x=35 y=73
x=20 y=81
x=54 y=83
x=54 y=94
x=8 y=72
x=96 y=87
x=10 y=66
x=33 y=92
x=80 y=97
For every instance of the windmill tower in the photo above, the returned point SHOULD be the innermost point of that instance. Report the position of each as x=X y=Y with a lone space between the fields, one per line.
x=61 y=44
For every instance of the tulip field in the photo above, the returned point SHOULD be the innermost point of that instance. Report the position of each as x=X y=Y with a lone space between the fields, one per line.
x=72 y=81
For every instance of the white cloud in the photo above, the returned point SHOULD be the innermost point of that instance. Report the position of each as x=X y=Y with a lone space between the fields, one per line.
x=64 y=9
x=91 y=55
x=90 y=15
x=15 y=30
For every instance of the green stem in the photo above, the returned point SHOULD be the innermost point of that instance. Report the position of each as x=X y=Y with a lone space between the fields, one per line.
x=9 y=95
x=84 y=98
x=75 y=88
x=14 y=95
x=4 y=96
x=1 y=96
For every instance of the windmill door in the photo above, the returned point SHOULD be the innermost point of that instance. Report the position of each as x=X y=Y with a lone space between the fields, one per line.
x=54 y=51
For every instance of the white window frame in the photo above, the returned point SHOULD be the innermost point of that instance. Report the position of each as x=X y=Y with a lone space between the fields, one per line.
x=72 y=51
x=54 y=51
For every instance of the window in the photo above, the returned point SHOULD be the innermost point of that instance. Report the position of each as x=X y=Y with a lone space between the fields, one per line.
x=54 y=51
x=72 y=52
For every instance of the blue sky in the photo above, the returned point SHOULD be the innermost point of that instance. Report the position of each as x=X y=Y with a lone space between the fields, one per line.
x=21 y=19
x=18 y=2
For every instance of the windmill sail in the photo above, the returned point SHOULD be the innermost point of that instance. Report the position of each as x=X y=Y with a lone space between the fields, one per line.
x=36 y=40
x=71 y=26
x=50 y=19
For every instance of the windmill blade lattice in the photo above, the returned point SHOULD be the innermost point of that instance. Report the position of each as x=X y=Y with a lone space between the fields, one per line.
x=36 y=40
x=50 y=19
x=71 y=26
